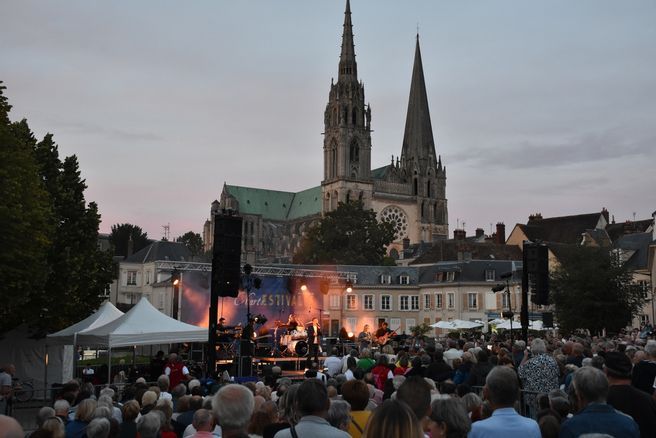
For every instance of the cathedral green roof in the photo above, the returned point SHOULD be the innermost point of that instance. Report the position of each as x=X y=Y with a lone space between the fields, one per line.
x=277 y=205
x=379 y=173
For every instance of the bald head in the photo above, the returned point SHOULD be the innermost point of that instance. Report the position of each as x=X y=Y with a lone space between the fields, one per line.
x=9 y=428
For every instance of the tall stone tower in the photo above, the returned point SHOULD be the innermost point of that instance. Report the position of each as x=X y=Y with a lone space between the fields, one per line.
x=347 y=135
x=421 y=168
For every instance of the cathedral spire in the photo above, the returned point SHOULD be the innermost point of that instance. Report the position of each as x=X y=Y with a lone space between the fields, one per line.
x=418 y=143
x=348 y=69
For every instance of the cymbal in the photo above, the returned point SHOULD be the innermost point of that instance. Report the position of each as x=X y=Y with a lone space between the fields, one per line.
x=264 y=336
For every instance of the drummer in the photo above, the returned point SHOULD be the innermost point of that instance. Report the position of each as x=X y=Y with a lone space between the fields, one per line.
x=292 y=323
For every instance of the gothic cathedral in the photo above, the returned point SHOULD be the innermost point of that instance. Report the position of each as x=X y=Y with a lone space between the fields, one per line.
x=410 y=191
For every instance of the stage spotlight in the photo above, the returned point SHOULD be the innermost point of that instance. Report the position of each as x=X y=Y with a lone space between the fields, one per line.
x=175 y=277
x=349 y=286
x=350 y=334
x=304 y=284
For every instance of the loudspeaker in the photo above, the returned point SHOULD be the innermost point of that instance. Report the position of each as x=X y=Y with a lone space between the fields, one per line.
x=536 y=272
x=226 y=255
x=547 y=319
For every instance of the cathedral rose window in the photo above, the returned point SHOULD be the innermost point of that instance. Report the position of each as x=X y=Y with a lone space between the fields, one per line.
x=398 y=218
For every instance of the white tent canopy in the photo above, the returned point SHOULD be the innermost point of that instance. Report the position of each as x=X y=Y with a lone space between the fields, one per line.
x=104 y=315
x=142 y=325
x=457 y=324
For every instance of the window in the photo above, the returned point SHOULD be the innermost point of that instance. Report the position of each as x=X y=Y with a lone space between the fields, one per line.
x=385 y=302
x=395 y=324
x=451 y=300
x=334 y=301
x=351 y=302
x=450 y=276
x=427 y=302
x=352 y=324
x=410 y=323
x=404 y=279
x=490 y=275
x=505 y=304
x=472 y=300
x=385 y=279
x=414 y=302
x=644 y=319
x=132 y=278
x=147 y=277
x=368 y=302
x=438 y=301
x=404 y=302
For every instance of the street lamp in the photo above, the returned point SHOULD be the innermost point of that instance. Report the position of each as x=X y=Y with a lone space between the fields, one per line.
x=501 y=287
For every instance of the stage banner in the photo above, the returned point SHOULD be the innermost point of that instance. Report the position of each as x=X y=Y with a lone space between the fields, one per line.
x=276 y=299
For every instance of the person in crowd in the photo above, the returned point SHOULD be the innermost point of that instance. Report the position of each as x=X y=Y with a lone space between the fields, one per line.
x=366 y=363
x=98 y=428
x=176 y=371
x=473 y=405
x=576 y=357
x=438 y=369
x=233 y=406
x=626 y=398
x=595 y=415
x=644 y=371
x=52 y=427
x=6 y=388
x=333 y=363
x=480 y=369
x=452 y=352
x=381 y=372
x=163 y=383
x=356 y=393
x=539 y=373
x=354 y=354
x=549 y=426
x=289 y=413
x=83 y=415
x=166 y=428
x=416 y=393
x=148 y=425
x=351 y=367
x=402 y=366
x=62 y=408
x=313 y=404
x=502 y=391
x=339 y=414
x=264 y=416
x=148 y=401
x=393 y=419
x=203 y=422
x=43 y=414
x=130 y=412
x=449 y=418
x=462 y=373
x=107 y=401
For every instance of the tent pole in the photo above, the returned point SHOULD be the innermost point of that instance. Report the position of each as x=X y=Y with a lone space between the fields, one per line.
x=45 y=390
x=75 y=359
x=109 y=366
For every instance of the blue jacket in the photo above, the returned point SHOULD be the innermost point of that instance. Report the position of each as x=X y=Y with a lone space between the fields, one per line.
x=600 y=418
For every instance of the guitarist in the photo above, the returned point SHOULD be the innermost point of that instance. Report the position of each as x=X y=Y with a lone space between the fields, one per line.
x=383 y=334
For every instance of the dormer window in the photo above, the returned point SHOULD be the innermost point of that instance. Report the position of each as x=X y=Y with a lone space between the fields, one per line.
x=490 y=275
x=404 y=279
x=385 y=279
x=451 y=276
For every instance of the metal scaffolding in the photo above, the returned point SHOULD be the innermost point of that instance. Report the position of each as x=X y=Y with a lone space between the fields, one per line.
x=273 y=271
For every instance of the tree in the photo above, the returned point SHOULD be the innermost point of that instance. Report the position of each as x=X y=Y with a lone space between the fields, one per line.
x=25 y=221
x=592 y=289
x=349 y=235
x=193 y=242
x=120 y=236
x=53 y=272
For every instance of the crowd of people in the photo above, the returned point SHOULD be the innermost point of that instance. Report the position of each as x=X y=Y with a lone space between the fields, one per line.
x=451 y=388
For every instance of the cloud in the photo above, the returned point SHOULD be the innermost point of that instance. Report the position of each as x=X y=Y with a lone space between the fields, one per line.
x=585 y=148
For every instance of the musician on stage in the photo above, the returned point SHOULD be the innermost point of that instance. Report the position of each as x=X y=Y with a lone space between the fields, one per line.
x=314 y=341
x=383 y=334
x=247 y=335
x=364 y=338
x=222 y=331
x=292 y=323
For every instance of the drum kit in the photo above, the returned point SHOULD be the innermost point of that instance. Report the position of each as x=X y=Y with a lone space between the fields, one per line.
x=294 y=340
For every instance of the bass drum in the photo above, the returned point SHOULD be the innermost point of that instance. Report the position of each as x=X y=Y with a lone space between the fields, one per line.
x=300 y=348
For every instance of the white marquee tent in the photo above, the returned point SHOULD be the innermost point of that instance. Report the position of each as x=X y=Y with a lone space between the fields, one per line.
x=105 y=314
x=142 y=325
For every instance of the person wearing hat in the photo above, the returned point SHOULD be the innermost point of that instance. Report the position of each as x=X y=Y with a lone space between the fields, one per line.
x=626 y=398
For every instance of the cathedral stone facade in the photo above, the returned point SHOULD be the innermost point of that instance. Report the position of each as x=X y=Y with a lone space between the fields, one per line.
x=410 y=191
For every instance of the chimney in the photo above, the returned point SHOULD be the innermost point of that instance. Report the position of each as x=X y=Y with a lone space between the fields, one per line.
x=459 y=234
x=604 y=212
x=480 y=232
x=501 y=233
x=130 y=246
x=406 y=243
x=628 y=228
x=535 y=217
